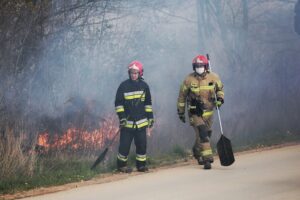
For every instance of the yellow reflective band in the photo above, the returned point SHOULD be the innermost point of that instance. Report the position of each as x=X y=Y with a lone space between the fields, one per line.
x=181 y=104
x=120 y=109
x=129 y=124
x=183 y=87
x=219 y=83
x=220 y=93
x=207 y=113
x=207 y=87
x=207 y=152
x=122 y=158
x=203 y=87
x=141 y=157
x=195 y=89
x=143 y=97
x=142 y=124
x=138 y=124
x=135 y=95
x=148 y=108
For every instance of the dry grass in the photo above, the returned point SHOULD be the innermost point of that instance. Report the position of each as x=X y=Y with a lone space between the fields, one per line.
x=16 y=160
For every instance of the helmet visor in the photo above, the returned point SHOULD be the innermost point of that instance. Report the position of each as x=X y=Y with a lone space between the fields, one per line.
x=198 y=65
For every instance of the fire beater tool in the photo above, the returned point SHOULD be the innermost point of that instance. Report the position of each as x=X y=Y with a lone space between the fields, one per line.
x=224 y=147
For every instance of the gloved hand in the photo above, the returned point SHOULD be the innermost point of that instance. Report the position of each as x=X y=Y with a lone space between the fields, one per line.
x=150 y=123
x=181 y=117
x=219 y=102
x=123 y=122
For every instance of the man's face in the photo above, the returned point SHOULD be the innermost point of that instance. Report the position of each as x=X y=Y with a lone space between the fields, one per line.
x=134 y=74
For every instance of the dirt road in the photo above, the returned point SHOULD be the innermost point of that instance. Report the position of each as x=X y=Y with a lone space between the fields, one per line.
x=268 y=175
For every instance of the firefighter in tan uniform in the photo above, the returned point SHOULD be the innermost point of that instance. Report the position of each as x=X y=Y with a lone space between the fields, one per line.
x=197 y=93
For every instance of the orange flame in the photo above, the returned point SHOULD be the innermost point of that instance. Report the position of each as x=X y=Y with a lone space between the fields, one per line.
x=79 y=139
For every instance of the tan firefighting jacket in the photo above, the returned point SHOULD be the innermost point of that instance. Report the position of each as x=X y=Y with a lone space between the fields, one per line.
x=200 y=89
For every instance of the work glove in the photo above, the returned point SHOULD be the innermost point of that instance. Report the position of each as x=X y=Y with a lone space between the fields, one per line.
x=150 y=123
x=219 y=102
x=181 y=117
x=123 y=122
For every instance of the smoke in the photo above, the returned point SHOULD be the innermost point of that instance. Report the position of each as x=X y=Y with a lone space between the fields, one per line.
x=82 y=64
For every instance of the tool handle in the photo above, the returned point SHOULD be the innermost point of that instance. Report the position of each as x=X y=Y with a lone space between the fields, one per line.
x=218 y=110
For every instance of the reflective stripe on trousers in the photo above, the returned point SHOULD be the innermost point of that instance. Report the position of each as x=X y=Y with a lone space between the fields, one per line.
x=141 y=157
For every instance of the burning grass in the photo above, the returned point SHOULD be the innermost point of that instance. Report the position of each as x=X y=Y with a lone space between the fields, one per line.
x=54 y=158
x=77 y=139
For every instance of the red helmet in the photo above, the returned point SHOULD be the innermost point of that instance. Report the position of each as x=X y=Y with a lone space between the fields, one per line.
x=136 y=65
x=200 y=60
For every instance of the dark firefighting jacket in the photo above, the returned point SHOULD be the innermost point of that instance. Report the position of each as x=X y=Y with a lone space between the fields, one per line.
x=133 y=103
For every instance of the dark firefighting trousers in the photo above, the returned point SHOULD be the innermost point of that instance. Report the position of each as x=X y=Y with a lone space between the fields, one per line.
x=140 y=141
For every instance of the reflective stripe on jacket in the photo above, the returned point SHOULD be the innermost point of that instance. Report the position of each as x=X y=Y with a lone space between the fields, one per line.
x=133 y=102
x=202 y=90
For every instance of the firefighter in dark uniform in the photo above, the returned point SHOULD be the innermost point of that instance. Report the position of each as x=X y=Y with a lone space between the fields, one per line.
x=197 y=93
x=133 y=105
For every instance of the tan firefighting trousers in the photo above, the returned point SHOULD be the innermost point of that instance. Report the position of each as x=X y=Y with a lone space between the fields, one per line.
x=202 y=148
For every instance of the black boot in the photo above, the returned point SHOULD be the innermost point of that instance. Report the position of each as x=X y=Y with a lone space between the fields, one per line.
x=141 y=166
x=142 y=169
x=200 y=161
x=122 y=167
x=207 y=164
x=125 y=169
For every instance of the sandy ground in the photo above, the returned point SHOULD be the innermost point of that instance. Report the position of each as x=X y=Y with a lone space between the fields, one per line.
x=264 y=174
